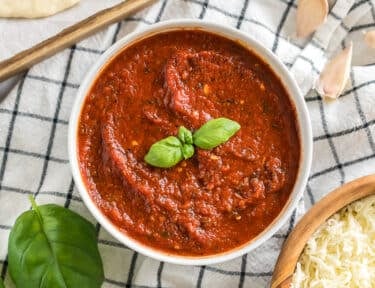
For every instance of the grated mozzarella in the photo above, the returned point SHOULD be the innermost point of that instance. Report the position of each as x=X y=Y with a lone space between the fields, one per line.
x=341 y=253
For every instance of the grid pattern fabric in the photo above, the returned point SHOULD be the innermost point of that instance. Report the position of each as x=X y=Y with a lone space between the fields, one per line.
x=34 y=121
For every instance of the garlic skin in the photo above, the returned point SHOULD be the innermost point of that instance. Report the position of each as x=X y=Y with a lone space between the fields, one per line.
x=370 y=38
x=335 y=74
x=310 y=15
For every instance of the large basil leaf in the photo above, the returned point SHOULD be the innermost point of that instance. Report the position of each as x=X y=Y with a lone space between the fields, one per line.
x=165 y=153
x=1 y=283
x=215 y=132
x=51 y=246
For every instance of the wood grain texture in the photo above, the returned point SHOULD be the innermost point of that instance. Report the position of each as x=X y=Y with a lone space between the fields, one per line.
x=317 y=215
x=69 y=36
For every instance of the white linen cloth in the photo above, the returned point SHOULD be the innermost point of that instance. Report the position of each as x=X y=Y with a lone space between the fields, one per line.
x=34 y=121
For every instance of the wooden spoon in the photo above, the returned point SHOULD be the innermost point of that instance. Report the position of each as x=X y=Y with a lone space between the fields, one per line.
x=318 y=214
x=69 y=36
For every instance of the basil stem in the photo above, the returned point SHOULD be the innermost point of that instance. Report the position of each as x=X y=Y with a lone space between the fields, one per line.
x=215 y=132
x=165 y=153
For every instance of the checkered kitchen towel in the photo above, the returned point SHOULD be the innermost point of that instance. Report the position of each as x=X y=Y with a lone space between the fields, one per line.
x=34 y=120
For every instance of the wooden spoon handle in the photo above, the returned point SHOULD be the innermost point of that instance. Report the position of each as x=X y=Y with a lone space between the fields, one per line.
x=68 y=37
x=318 y=214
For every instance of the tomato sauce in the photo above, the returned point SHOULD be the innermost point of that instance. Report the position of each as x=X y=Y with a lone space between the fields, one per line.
x=217 y=200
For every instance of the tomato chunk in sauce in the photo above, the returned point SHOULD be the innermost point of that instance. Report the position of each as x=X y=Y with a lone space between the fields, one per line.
x=217 y=200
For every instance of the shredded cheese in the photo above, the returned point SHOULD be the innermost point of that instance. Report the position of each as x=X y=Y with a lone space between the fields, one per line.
x=341 y=253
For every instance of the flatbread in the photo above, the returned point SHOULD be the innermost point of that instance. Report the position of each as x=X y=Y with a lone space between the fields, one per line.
x=33 y=8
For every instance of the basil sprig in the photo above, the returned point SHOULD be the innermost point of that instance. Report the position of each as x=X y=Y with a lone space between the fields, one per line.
x=171 y=150
x=51 y=246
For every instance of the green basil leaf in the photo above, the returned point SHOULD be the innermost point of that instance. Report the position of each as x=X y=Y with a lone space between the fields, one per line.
x=1 y=283
x=185 y=135
x=187 y=151
x=215 y=132
x=165 y=153
x=51 y=246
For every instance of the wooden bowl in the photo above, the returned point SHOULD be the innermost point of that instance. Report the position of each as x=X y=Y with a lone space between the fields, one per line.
x=310 y=222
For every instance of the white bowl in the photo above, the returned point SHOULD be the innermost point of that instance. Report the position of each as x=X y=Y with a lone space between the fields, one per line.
x=304 y=127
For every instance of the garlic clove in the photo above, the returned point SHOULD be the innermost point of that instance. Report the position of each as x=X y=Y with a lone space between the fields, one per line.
x=310 y=15
x=370 y=38
x=335 y=74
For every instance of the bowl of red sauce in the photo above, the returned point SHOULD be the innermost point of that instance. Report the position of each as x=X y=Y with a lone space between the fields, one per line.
x=222 y=202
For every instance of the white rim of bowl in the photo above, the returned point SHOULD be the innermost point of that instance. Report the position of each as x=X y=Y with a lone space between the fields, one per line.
x=304 y=127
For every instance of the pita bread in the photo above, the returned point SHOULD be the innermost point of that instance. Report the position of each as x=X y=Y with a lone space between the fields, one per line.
x=33 y=8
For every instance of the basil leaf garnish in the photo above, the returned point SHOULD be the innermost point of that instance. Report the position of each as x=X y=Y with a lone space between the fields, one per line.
x=185 y=135
x=1 y=283
x=171 y=150
x=165 y=153
x=215 y=132
x=187 y=151
x=51 y=246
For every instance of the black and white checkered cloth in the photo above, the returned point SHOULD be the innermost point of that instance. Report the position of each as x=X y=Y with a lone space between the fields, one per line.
x=34 y=121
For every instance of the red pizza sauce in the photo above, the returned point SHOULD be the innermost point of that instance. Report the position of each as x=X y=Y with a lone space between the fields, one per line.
x=217 y=200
